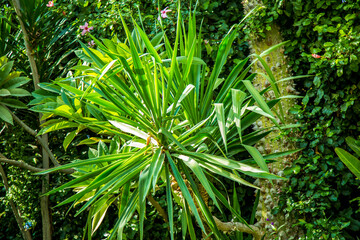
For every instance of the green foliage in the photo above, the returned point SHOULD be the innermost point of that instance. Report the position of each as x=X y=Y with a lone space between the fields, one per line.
x=9 y=89
x=52 y=47
x=18 y=146
x=321 y=187
x=172 y=128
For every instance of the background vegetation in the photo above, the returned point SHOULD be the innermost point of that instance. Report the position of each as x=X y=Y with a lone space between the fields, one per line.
x=321 y=189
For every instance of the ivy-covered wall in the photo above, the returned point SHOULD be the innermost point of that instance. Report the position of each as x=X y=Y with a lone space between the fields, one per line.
x=324 y=42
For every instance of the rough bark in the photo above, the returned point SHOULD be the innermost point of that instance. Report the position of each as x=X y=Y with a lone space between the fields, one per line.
x=270 y=191
x=26 y=234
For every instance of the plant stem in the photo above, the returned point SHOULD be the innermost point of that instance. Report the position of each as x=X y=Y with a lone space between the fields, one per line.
x=44 y=200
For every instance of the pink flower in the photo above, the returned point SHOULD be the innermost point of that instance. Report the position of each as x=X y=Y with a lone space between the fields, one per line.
x=163 y=13
x=50 y=4
x=91 y=43
x=86 y=28
x=315 y=55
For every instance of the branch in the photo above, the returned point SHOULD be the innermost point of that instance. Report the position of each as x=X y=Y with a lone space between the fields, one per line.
x=34 y=133
x=158 y=208
x=22 y=164
x=236 y=226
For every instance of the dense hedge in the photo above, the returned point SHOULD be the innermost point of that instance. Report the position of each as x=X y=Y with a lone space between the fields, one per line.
x=324 y=41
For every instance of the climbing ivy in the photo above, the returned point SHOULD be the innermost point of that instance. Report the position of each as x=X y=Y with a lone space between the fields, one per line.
x=324 y=42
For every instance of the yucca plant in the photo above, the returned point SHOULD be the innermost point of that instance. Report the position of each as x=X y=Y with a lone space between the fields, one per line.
x=9 y=89
x=178 y=123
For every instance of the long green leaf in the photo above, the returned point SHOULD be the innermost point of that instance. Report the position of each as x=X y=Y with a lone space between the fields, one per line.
x=220 y=115
x=185 y=191
x=350 y=161
x=257 y=156
x=195 y=167
x=259 y=100
x=353 y=145
x=238 y=97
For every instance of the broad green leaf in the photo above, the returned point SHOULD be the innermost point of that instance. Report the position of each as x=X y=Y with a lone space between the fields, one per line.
x=68 y=139
x=5 y=115
x=57 y=126
x=92 y=140
x=124 y=196
x=4 y=92
x=16 y=82
x=350 y=161
x=5 y=71
x=353 y=145
x=13 y=103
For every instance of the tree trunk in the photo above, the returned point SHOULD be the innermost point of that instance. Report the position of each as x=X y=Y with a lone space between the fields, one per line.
x=272 y=143
x=44 y=200
x=26 y=234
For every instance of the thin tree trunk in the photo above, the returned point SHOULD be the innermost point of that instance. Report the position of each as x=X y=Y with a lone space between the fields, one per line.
x=26 y=234
x=44 y=200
